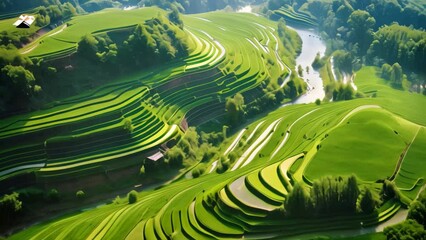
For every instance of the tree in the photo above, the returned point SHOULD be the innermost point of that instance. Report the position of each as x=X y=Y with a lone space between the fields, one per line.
x=386 y=71
x=409 y=230
x=298 y=202
x=318 y=101
x=174 y=17
x=343 y=60
x=18 y=84
x=396 y=74
x=53 y=195
x=417 y=212
x=132 y=197
x=127 y=125
x=80 y=195
x=361 y=29
x=175 y=156
x=87 y=47
x=235 y=109
x=350 y=193
x=10 y=206
x=389 y=190
x=368 y=202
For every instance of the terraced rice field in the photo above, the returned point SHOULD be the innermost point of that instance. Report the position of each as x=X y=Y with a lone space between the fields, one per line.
x=293 y=17
x=242 y=201
x=81 y=134
x=297 y=143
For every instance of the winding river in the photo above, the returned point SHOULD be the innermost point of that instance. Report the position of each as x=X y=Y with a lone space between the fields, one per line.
x=312 y=44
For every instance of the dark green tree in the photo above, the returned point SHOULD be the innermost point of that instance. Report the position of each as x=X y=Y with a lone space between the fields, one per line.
x=174 y=17
x=175 y=157
x=361 y=25
x=87 y=47
x=10 y=206
x=298 y=202
x=132 y=197
x=407 y=230
x=80 y=195
x=235 y=110
x=368 y=202
x=417 y=212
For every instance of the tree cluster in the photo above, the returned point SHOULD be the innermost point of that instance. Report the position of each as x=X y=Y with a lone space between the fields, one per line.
x=402 y=45
x=393 y=73
x=21 y=5
x=155 y=41
x=197 y=6
x=54 y=13
x=414 y=227
x=328 y=196
x=343 y=92
x=335 y=196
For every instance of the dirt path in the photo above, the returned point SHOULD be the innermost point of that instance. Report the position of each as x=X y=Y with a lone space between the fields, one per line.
x=403 y=155
x=37 y=40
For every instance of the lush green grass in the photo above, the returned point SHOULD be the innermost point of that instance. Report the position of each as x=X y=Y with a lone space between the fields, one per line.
x=367 y=144
x=371 y=236
x=403 y=103
x=412 y=174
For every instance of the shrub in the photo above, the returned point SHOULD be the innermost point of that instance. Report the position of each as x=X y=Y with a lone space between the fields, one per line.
x=127 y=125
x=142 y=171
x=80 y=195
x=198 y=170
x=10 y=206
x=53 y=195
x=116 y=200
x=318 y=101
x=132 y=196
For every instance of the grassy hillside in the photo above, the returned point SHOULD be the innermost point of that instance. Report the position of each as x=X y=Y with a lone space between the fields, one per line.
x=64 y=38
x=240 y=202
x=378 y=136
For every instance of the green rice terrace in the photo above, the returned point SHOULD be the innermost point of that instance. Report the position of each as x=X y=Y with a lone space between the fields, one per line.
x=217 y=136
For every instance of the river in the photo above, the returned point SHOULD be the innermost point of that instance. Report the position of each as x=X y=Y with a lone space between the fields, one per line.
x=312 y=44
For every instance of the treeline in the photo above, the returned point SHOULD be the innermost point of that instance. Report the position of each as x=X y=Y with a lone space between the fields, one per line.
x=198 y=6
x=401 y=44
x=153 y=42
x=336 y=196
x=9 y=6
x=334 y=14
x=23 y=5
x=54 y=13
